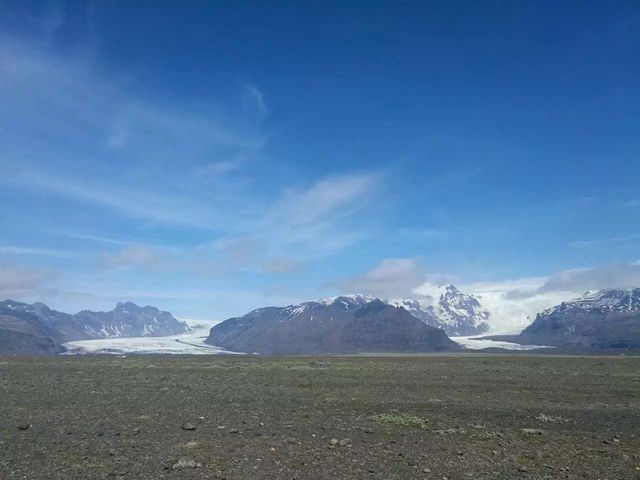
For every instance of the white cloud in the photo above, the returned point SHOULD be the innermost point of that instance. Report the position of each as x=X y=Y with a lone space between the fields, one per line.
x=617 y=275
x=391 y=278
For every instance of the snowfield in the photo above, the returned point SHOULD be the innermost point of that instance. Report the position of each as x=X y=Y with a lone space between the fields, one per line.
x=191 y=343
x=473 y=343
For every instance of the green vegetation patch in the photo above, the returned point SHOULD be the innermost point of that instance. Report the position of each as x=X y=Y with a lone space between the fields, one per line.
x=402 y=419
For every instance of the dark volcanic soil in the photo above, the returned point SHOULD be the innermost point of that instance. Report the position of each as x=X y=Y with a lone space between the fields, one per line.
x=436 y=416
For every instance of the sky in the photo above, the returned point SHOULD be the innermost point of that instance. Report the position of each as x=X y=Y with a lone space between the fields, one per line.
x=212 y=157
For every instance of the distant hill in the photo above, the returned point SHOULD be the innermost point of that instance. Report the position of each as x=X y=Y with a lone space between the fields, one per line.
x=338 y=325
x=24 y=334
x=37 y=329
x=599 y=319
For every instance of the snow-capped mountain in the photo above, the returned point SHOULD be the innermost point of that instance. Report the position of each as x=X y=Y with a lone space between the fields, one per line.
x=457 y=313
x=130 y=320
x=40 y=329
x=598 y=319
x=342 y=302
x=599 y=301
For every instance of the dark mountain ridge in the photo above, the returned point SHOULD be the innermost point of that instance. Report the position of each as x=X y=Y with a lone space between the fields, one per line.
x=338 y=325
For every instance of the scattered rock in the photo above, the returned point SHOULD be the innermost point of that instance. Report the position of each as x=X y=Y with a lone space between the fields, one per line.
x=291 y=440
x=24 y=426
x=344 y=442
x=234 y=430
x=531 y=431
x=333 y=441
x=185 y=464
x=551 y=419
x=188 y=426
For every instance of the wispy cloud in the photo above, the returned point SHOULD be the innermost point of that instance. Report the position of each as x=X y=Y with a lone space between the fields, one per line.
x=130 y=153
x=46 y=252
x=309 y=216
x=604 y=241
x=20 y=282
x=137 y=256
x=424 y=233
x=633 y=203
x=115 y=241
x=281 y=265
x=255 y=96
x=129 y=201
x=301 y=225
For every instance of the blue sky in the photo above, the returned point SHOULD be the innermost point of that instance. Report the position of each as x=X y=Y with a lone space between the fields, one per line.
x=210 y=157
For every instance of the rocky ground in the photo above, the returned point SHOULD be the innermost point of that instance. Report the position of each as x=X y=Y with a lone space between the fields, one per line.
x=424 y=417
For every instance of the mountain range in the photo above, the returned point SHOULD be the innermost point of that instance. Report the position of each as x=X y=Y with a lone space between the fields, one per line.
x=37 y=329
x=596 y=320
x=342 y=324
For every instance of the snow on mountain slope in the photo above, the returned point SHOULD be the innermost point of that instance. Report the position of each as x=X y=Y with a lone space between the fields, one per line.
x=513 y=305
x=343 y=302
x=600 y=301
x=448 y=308
x=597 y=319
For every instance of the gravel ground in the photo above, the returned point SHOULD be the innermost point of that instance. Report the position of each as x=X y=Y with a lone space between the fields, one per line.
x=392 y=417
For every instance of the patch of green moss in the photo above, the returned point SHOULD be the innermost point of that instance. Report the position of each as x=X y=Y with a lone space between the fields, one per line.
x=401 y=419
